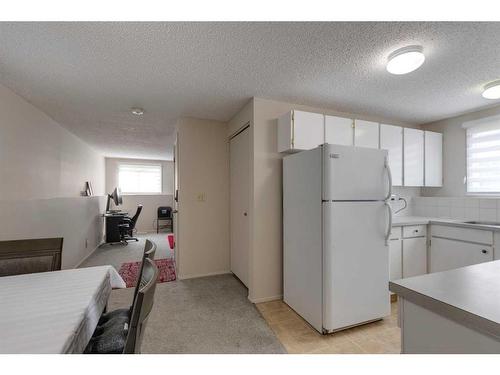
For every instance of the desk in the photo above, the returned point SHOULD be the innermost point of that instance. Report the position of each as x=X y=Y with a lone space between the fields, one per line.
x=53 y=312
x=112 y=222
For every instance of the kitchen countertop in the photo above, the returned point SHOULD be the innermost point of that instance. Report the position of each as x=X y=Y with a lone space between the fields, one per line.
x=468 y=295
x=398 y=221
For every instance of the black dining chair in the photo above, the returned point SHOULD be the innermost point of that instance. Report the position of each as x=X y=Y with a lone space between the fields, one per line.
x=124 y=313
x=126 y=338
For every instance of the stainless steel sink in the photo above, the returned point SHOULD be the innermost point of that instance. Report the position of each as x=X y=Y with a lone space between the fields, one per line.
x=492 y=223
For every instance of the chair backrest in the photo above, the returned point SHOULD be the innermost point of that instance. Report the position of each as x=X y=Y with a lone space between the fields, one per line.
x=164 y=212
x=29 y=256
x=134 y=218
x=149 y=253
x=142 y=308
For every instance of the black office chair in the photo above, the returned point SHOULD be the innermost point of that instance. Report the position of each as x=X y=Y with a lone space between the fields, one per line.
x=127 y=226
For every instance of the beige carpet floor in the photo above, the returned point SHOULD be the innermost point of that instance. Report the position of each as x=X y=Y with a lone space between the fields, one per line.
x=203 y=315
x=118 y=254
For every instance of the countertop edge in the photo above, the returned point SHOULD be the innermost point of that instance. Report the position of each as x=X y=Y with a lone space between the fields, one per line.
x=401 y=222
x=451 y=312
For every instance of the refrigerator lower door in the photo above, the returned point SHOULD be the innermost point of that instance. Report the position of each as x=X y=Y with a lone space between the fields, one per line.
x=355 y=264
x=355 y=173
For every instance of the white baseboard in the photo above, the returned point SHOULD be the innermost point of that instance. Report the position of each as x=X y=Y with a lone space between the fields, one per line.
x=88 y=255
x=195 y=276
x=265 y=299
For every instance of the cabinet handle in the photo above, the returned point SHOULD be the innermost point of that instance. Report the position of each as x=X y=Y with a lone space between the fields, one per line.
x=484 y=251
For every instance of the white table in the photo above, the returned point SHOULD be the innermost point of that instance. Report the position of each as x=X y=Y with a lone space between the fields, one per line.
x=53 y=312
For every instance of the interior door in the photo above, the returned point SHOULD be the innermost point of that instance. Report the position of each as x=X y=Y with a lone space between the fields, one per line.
x=355 y=263
x=175 y=213
x=239 y=169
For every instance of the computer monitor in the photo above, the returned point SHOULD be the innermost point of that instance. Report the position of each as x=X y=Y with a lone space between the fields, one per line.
x=116 y=196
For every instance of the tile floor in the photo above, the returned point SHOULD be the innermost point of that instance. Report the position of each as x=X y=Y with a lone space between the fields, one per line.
x=298 y=337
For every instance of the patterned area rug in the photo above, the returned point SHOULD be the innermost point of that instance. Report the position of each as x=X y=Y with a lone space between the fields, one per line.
x=129 y=271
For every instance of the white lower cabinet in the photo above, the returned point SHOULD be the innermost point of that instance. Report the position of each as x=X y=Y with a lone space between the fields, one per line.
x=395 y=261
x=447 y=254
x=414 y=256
x=407 y=252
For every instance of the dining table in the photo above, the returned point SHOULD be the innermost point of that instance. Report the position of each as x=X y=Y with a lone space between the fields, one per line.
x=54 y=312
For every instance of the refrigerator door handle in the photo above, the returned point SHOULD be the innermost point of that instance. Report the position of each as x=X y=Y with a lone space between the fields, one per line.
x=389 y=226
x=389 y=178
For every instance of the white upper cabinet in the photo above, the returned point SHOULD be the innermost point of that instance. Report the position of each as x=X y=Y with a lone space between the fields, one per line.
x=365 y=134
x=433 y=158
x=339 y=131
x=299 y=130
x=391 y=139
x=413 y=157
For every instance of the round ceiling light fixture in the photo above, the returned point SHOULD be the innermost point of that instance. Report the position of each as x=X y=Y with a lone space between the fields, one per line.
x=137 y=111
x=405 y=60
x=492 y=90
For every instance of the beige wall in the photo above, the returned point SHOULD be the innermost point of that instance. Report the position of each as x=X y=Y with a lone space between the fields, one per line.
x=150 y=202
x=454 y=163
x=43 y=169
x=266 y=213
x=203 y=234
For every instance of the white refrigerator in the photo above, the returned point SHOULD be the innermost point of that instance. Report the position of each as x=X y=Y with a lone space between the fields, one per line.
x=336 y=226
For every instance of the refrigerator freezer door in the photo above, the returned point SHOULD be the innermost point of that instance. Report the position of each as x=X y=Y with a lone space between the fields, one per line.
x=355 y=263
x=355 y=173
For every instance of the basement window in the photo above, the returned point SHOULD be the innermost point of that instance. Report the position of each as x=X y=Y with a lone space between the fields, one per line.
x=140 y=178
x=483 y=156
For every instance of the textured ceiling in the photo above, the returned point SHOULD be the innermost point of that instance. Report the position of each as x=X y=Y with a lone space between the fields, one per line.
x=88 y=75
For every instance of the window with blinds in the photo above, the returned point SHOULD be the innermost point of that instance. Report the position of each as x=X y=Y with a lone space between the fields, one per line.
x=483 y=155
x=139 y=179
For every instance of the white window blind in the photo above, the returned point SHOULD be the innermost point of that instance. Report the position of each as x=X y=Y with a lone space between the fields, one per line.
x=139 y=179
x=483 y=155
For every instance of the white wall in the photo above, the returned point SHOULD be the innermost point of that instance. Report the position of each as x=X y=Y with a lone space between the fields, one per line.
x=454 y=163
x=266 y=247
x=203 y=225
x=43 y=169
x=151 y=202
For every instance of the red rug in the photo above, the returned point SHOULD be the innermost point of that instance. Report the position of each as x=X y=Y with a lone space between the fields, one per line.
x=129 y=271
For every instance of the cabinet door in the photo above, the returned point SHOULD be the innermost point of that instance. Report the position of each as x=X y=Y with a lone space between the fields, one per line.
x=413 y=157
x=339 y=130
x=365 y=134
x=414 y=256
x=433 y=159
x=448 y=254
x=391 y=139
x=395 y=271
x=299 y=131
x=308 y=130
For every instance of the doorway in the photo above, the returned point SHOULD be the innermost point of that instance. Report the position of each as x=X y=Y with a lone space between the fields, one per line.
x=239 y=176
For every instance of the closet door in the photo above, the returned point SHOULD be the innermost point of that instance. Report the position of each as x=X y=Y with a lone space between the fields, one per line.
x=239 y=180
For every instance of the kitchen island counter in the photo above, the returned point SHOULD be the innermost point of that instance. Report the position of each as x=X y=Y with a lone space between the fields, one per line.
x=456 y=311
